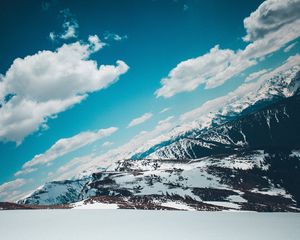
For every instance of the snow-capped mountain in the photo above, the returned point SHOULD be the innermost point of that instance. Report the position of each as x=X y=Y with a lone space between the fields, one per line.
x=241 y=181
x=248 y=99
x=265 y=128
x=248 y=163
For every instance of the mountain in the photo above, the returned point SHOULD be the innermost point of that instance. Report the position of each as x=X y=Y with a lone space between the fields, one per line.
x=273 y=127
x=243 y=181
x=247 y=157
x=255 y=97
x=56 y=192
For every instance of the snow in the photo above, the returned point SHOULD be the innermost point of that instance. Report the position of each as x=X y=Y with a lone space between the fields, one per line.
x=178 y=205
x=94 y=205
x=192 y=174
x=147 y=225
x=223 y=204
x=273 y=192
x=295 y=153
x=256 y=159
x=236 y=198
x=53 y=192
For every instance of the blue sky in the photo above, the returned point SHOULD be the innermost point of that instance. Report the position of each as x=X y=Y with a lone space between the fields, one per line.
x=175 y=56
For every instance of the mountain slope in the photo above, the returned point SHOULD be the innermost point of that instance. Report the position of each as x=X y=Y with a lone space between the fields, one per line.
x=275 y=126
x=56 y=192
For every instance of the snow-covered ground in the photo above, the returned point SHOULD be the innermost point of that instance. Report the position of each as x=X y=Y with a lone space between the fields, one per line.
x=134 y=224
x=96 y=205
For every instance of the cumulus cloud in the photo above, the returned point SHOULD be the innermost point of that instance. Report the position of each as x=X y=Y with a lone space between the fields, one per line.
x=272 y=41
x=66 y=145
x=9 y=190
x=269 y=17
x=255 y=75
x=211 y=69
x=137 y=121
x=38 y=87
x=274 y=24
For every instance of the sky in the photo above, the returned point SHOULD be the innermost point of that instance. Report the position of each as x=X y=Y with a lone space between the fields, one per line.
x=86 y=83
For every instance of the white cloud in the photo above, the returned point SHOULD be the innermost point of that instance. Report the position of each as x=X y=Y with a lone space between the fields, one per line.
x=213 y=105
x=73 y=167
x=96 y=42
x=70 y=30
x=114 y=36
x=167 y=120
x=69 y=26
x=245 y=90
x=292 y=61
x=9 y=190
x=49 y=82
x=52 y=36
x=269 y=17
x=145 y=117
x=255 y=75
x=270 y=27
x=85 y=165
x=272 y=41
x=25 y=171
x=211 y=69
x=165 y=110
x=146 y=139
x=66 y=145
x=289 y=47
